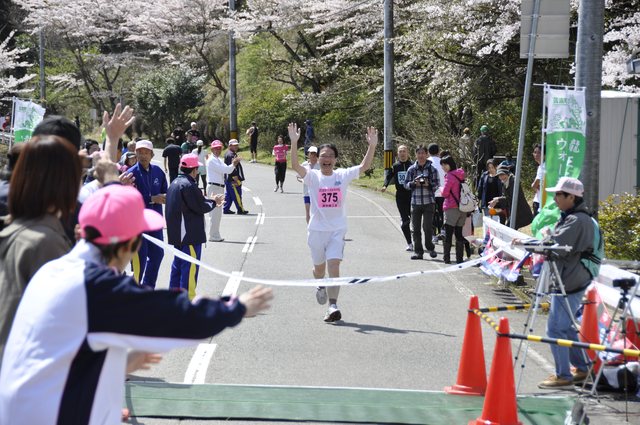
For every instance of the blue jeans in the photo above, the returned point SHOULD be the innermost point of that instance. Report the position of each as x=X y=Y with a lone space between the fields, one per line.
x=560 y=325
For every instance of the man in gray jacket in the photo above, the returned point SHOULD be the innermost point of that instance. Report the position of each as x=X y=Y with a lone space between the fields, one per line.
x=575 y=228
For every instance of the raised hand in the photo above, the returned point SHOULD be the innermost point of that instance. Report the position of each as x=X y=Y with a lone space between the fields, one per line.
x=256 y=300
x=294 y=132
x=372 y=135
x=118 y=122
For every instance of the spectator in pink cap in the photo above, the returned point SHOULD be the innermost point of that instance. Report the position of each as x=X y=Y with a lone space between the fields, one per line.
x=216 y=170
x=185 y=210
x=70 y=343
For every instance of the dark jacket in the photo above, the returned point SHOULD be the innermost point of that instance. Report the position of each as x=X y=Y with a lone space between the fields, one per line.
x=575 y=228
x=185 y=210
x=524 y=216
x=238 y=172
x=484 y=148
x=489 y=188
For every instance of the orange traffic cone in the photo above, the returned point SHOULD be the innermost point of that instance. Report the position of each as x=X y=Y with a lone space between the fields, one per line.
x=589 y=329
x=500 y=407
x=472 y=373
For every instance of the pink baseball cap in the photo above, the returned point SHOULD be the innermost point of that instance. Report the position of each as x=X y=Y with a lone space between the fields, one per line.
x=118 y=213
x=190 y=160
x=216 y=144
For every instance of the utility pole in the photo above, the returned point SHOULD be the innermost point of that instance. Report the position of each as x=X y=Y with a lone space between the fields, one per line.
x=525 y=111
x=388 y=85
x=589 y=75
x=41 y=57
x=233 y=102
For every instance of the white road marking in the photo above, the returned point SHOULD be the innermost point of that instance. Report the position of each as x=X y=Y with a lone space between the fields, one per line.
x=231 y=288
x=253 y=243
x=260 y=218
x=246 y=189
x=257 y=200
x=247 y=244
x=197 y=370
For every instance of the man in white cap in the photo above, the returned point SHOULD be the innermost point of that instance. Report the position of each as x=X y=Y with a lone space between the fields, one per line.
x=216 y=172
x=234 y=181
x=151 y=182
x=193 y=135
x=575 y=228
x=72 y=341
x=186 y=207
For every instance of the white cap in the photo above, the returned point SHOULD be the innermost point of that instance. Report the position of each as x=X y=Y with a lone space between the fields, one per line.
x=194 y=123
x=568 y=185
x=144 y=144
x=312 y=149
x=199 y=143
x=233 y=142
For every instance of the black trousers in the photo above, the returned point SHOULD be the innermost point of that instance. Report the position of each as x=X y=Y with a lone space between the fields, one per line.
x=438 y=215
x=403 y=202
x=422 y=220
x=281 y=172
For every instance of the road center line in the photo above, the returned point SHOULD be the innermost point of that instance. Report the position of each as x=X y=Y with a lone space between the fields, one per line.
x=231 y=288
x=245 y=248
x=197 y=369
x=253 y=243
x=260 y=218
x=257 y=200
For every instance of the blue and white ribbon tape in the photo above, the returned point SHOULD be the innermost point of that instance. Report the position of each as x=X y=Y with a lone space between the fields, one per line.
x=334 y=281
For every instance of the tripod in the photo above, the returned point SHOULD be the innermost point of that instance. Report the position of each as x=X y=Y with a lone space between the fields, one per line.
x=623 y=307
x=549 y=279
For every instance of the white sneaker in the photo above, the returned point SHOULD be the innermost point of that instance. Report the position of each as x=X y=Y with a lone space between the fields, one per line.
x=409 y=247
x=434 y=240
x=332 y=314
x=321 y=295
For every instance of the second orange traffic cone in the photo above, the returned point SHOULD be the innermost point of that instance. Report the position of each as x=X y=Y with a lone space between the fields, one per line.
x=500 y=407
x=589 y=329
x=472 y=373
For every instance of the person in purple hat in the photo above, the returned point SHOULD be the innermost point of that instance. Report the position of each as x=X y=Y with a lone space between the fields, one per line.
x=82 y=322
x=185 y=210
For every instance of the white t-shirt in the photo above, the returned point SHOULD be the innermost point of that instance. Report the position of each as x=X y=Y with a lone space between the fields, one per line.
x=307 y=165
x=328 y=195
x=435 y=161
x=540 y=177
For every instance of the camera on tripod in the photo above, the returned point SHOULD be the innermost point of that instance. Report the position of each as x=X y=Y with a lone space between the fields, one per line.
x=624 y=283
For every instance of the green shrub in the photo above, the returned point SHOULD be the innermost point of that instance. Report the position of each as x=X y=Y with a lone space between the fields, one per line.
x=619 y=218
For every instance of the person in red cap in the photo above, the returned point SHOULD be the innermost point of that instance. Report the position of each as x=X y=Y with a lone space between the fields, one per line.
x=216 y=171
x=185 y=210
x=81 y=320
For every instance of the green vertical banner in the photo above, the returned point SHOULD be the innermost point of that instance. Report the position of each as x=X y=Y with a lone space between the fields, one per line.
x=26 y=116
x=564 y=147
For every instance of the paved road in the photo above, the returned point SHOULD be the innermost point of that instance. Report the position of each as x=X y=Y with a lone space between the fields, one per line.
x=405 y=334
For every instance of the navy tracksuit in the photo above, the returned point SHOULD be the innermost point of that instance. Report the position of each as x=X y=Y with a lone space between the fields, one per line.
x=233 y=193
x=146 y=262
x=185 y=210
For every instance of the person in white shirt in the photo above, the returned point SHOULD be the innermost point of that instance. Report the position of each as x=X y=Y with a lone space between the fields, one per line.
x=438 y=216
x=201 y=151
x=328 y=222
x=311 y=164
x=216 y=171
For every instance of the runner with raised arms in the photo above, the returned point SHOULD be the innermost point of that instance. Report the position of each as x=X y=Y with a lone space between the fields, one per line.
x=328 y=223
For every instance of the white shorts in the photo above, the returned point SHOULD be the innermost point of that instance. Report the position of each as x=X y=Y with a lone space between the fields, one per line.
x=326 y=245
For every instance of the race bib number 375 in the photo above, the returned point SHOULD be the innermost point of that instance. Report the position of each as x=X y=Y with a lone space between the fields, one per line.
x=329 y=197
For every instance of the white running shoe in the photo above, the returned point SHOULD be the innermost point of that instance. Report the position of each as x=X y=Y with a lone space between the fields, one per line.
x=333 y=314
x=321 y=295
x=409 y=248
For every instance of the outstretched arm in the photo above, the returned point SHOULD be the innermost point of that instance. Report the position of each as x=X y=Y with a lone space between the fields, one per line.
x=294 y=135
x=115 y=126
x=372 y=139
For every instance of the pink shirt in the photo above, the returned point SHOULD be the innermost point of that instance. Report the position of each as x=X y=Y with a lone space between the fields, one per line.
x=280 y=151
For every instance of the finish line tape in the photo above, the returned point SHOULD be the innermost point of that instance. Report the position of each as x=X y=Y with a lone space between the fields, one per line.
x=334 y=281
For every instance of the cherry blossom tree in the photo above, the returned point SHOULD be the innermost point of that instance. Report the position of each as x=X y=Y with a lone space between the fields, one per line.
x=10 y=61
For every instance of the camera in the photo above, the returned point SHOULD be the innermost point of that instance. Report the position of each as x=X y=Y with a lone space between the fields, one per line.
x=624 y=283
x=421 y=179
